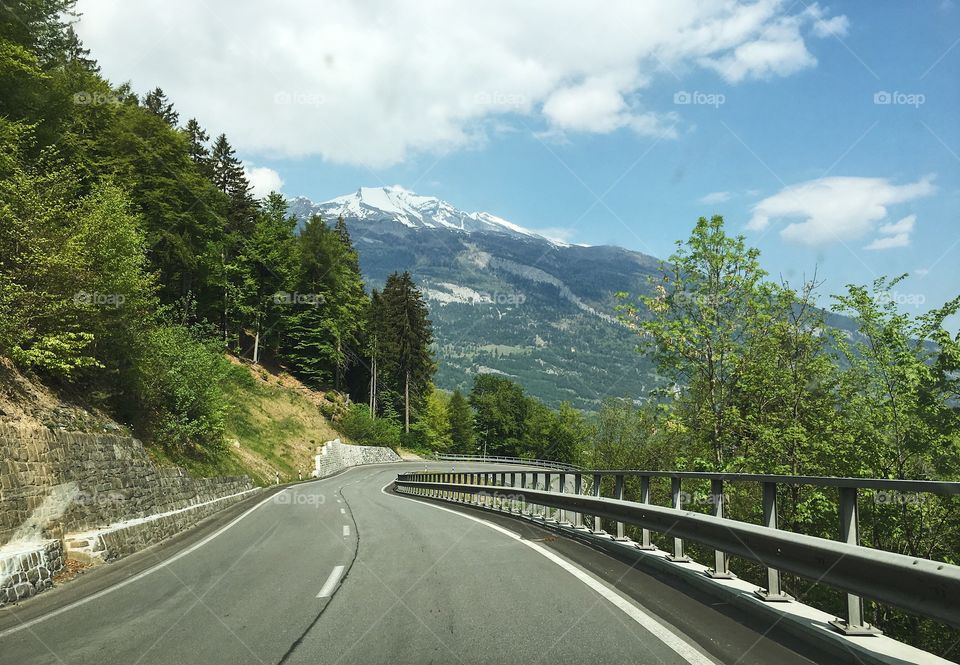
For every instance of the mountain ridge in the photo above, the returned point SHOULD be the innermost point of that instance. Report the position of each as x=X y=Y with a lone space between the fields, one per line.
x=397 y=204
x=503 y=298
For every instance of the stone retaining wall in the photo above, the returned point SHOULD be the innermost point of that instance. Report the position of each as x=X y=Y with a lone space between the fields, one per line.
x=28 y=570
x=336 y=456
x=108 y=479
x=124 y=538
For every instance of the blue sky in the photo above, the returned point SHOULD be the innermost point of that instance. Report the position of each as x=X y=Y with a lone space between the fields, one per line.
x=828 y=134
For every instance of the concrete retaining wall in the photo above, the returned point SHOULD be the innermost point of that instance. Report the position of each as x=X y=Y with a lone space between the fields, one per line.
x=336 y=456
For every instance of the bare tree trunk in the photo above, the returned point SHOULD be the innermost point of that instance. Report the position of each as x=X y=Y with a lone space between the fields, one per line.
x=256 y=342
x=406 y=398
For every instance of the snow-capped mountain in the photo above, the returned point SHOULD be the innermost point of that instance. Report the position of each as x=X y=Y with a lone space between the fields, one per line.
x=503 y=298
x=398 y=205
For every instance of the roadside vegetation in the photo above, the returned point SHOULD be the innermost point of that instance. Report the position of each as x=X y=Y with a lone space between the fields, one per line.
x=135 y=262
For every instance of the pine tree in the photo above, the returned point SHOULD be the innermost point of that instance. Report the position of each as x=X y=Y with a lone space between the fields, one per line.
x=229 y=178
x=197 y=148
x=271 y=256
x=344 y=234
x=156 y=102
x=406 y=347
x=326 y=338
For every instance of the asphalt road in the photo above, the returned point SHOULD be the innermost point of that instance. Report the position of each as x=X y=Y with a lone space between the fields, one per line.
x=344 y=571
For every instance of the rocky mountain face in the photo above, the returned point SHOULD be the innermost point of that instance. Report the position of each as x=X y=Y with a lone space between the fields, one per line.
x=502 y=298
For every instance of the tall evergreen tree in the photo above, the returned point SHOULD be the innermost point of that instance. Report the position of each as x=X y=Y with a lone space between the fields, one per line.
x=270 y=255
x=197 y=147
x=406 y=347
x=156 y=102
x=325 y=336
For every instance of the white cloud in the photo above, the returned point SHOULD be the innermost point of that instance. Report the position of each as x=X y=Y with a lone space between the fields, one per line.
x=905 y=225
x=840 y=208
x=561 y=234
x=715 y=197
x=263 y=180
x=894 y=235
x=889 y=242
x=369 y=83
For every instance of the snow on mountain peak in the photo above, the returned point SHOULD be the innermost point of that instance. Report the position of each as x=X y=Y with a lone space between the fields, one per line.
x=395 y=203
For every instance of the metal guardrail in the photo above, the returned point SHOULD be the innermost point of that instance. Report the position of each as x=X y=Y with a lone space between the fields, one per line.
x=920 y=586
x=546 y=464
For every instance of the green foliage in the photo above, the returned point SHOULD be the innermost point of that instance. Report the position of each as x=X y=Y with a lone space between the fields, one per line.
x=500 y=414
x=460 y=415
x=761 y=384
x=432 y=430
x=365 y=430
x=180 y=393
x=509 y=423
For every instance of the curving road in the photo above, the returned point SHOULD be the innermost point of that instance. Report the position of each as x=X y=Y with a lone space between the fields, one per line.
x=344 y=571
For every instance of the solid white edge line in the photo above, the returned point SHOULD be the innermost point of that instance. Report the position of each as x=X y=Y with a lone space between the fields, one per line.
x=653 y=625
x=327 y=590
x=139 y=576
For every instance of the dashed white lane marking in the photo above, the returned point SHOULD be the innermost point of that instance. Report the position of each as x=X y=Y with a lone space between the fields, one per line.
x=327 y=590
x=83 y=601
x=646 y=620
x=343 y=511
x=346 y=529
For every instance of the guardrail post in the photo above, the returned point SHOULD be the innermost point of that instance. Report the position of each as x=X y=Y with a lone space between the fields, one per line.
x=618 y=495
x=721 y=560
x=548 y=485
x=523 y=485
x=597 y=523
x=678 y=555
x=774 y=591
x=562 y=514
x=578 y=489
x=645 y=543
x=850 y=534
x=513 y=499
x=499 y=480
x=537 y=508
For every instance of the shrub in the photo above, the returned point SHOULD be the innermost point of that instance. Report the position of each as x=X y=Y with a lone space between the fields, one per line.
x=358 y=426
x=180 y=392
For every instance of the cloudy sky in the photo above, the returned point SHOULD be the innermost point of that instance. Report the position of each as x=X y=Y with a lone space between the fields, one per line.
x=828 y=133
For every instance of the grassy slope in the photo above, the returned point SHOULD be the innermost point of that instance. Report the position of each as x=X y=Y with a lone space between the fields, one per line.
x=274 y=424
